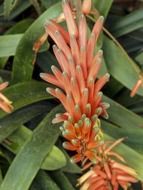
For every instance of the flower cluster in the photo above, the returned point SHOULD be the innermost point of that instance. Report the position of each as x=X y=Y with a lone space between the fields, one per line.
x=79 y=90
x=5 y=104
x=109 y=172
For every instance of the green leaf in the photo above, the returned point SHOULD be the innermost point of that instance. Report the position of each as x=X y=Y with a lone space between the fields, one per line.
x=28 y=161
x=45 y=60
x=121 y=116
x=129 y=23
x=5 y=75
x=124 y=123
x=103 y=6
x=54 y=160
x=70 y=167
x=36 y=5
x=20 y=7
x=62 y=181
x=48 y=3
x=139 y=59
x=8 y=6
x=22 y=66
x=132 y=158
x=8 y=44
x=44 y=182
x=133 y=136
x=15 y=120
x=25 y=93
x=119 y=64
x=1 y=177
x=18 y=28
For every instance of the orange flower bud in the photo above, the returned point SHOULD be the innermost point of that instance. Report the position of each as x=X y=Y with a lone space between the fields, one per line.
x=86 y=6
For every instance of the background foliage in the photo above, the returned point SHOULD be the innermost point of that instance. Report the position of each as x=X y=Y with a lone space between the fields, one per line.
x=31 y=155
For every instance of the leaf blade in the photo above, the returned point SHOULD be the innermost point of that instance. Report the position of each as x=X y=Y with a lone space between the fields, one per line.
x=44 y=137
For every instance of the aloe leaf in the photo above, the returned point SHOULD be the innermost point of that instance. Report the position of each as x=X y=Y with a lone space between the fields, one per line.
x=70 y=167
x=8 y=6
x=62 y=181
x=1 y=177
x=129 y=23
x=120 y=65
x=15 y=120
x=36 y=5
x=44 y=182
x=48 y=3
x=18 y=28
x=8 y=44
x=54 y=160
x=22 y=66
x=23 y=94
x=20 y=7
x=4 y=75
x=121 y=116
x=103 y=6
x=31 y=156
x=133 y=136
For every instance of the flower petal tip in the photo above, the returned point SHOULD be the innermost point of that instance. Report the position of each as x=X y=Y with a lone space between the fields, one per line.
x=42 y=75
x=101 y=18
x=48 y=90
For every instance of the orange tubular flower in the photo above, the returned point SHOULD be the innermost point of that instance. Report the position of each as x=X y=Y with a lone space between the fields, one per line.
x=137 y=86
x=107 y=173
x=86 y=6
x=5 y=104
x=78 y=88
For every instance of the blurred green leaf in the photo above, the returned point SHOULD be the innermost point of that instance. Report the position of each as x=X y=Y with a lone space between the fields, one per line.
x=18 y=28
x=103 y=6
x=139 y=59
x=133 y=136
x=8 y=44
x=5 y=75
x=28 y=161
x=22 y=66
x=44 y=182
x=45 y=60
x=54 y=160
x=11 y=122
x=8 y=6
x=121 y=116
x=124 y=123
x=120 y=65
x=1 y=177
x=36 y=5
x=20 y=8
x=62 y=181
x=25 y=93
x=48 y=3
x=70 y=167
x=129 y=23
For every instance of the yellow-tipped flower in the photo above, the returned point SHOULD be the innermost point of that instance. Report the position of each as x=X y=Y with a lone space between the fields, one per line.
x=5 y=103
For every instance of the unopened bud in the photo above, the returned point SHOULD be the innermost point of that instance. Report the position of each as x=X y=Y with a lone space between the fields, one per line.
x=86 y=6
